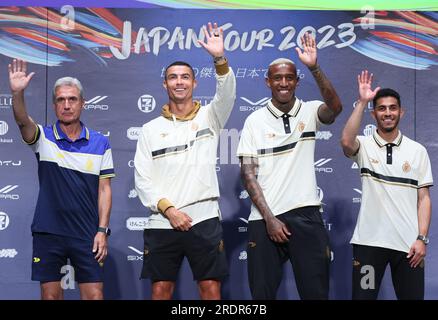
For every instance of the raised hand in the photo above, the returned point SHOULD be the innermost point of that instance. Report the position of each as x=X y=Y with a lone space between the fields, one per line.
x=18 y=80
x=214 y=43
x=308 y=55
x=364 y=81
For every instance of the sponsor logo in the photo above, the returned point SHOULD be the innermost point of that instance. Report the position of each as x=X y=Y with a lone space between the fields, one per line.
x=106 y=134
x=251 y=106
x=96 y=104
x=131 y=163
x=245 y=228
x=320 y=193
x=327 y=225
x=8 y=253
x=203 y=100
x=6 y=193
x=323 y=135
x=132 y=194
x=354 y=165
x=369 y=130
x=133 y=133
x=5 y=101
x=10 y=163
x=4 y=220
x=4 y=128
x=244 y=195
x=243 y=255
x=146 y=103
x=369 y=106
x=137 y=223
x=357 y=199
x=320 y=165
x=135 y=257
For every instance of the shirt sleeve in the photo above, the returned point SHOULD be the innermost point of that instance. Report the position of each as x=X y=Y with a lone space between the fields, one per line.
x=35 y=143
x=358 y=156
x=107 y=165
x=247 y=146
x=223 y=101
x=144 y=166
x=425 y=171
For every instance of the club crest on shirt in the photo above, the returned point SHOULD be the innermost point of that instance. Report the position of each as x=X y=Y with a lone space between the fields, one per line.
x=406 y=167
x=301 y=126
x=270 y=135
x=89 y=165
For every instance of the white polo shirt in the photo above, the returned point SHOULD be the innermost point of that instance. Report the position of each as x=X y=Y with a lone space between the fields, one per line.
x=391 y=177
x=284 y=145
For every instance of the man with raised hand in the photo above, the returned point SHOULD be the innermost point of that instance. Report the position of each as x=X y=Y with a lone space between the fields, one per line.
x=277 y=149
x=74 y=201
x=175 y=176
x=395 y=210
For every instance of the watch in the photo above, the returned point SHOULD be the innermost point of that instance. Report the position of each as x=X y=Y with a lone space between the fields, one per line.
x=423 y=238
x=107 y=231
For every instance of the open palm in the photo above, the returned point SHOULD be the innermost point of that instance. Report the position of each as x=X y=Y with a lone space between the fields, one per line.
x=308 y=55
x=18 y=80
x=365 y=81
x=214 y=43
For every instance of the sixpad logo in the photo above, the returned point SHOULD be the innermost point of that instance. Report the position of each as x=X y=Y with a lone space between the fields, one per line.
x=4 y=220
x=358 y=198
x=146 y=103
x=138 y=256
x=251 y=106
x=96 y=103
x=321 y=165
x=7 y=194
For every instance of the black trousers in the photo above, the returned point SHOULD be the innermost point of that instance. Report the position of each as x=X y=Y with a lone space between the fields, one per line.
x=369 y=264
x=308 y=251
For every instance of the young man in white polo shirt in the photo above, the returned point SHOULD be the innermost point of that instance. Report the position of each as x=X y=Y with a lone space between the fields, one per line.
x=277 y=156
x=395 y=212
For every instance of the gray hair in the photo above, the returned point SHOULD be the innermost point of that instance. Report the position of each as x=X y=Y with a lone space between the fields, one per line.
x=280 y=61
x=70 y=82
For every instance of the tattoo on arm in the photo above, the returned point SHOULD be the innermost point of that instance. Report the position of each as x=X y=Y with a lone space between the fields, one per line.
x=329 y=95
x=249 y=178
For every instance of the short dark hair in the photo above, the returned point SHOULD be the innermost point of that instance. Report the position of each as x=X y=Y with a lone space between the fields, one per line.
x=386 y=92
x=179 y=63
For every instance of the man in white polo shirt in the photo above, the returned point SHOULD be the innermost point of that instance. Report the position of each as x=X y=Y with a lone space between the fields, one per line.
x=395 y=212
x=277 y=156
x=175 y=176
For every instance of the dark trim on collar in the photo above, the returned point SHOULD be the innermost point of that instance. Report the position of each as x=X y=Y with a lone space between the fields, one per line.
x=60 y=135
x=382 y=142
x=278 y=114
